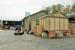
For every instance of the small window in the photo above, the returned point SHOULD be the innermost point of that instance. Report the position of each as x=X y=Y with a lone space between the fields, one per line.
x=37 y=21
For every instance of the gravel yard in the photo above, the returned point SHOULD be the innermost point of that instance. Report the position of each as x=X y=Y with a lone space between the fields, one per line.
x=9 y=41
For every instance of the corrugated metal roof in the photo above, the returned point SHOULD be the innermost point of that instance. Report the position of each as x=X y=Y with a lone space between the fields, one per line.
x=11 y=18
x=34 y=14
x=71 y=15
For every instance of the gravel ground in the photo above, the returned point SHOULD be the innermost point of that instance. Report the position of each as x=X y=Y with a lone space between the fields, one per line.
x=9 y=41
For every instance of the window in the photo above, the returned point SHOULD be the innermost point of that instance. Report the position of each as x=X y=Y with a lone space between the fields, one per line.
x=37 y=21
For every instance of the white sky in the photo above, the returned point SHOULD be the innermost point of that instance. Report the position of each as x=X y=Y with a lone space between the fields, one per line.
x=15 y=9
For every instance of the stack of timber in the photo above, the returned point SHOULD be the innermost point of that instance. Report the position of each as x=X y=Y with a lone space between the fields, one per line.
x=51 y=34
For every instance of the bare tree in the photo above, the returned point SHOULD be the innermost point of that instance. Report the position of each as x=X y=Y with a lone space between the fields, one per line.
x=73 y=8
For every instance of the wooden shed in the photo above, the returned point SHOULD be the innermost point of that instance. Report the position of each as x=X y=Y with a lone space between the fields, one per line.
x=56 y=22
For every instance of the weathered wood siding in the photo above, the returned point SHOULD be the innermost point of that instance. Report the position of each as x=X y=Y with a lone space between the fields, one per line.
x=51 y=24
x=32 y=19
x=62 y=24
x=54 y=23
x=66 y=24
x=57 y=23
x=26 y=24
x=33 y=24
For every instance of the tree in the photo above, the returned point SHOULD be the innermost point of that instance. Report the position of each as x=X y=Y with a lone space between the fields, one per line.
x=73 y=8
x=47 y=10
x=67 y=10
x=57 y=8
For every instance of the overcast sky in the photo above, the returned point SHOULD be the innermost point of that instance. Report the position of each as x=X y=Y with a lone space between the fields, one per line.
x=17 y=8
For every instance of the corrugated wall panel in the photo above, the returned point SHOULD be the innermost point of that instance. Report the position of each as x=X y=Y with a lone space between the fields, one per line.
x=52 y=24
x=48 y=24
x=65 y=24
x=61 y=23
x=57 y=24
x=42 y=22
x=33 y=24
x=45 y=22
